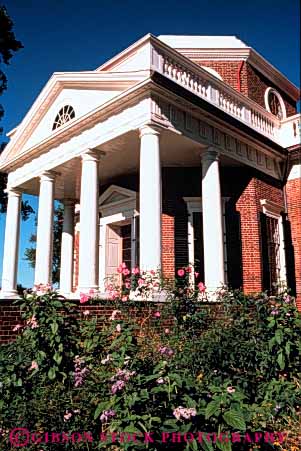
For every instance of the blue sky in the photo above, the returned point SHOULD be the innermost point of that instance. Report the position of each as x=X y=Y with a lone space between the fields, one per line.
x=66 y=35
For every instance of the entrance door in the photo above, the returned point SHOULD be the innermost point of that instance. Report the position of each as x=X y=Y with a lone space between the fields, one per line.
x=113 y=251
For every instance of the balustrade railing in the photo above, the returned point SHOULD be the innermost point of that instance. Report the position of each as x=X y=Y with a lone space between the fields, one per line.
x=189 y=75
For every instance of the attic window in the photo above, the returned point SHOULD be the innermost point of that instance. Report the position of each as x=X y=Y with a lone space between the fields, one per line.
x=274 y=103
x=64 y=115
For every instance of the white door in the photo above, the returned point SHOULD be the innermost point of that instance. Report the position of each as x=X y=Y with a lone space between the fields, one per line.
x=113 y=251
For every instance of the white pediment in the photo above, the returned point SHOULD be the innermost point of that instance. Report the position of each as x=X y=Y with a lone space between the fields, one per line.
x=116 y=195
x=86 y=92
x=81 y=100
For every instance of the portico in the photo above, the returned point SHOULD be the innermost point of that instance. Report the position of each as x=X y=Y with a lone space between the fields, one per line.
x=170 y=116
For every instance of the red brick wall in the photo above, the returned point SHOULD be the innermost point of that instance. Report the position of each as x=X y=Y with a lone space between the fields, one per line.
x=257 y=85
x=9 y=318
x=293 y=193
x=249 y=208
x=228 y=70
x=252 y=83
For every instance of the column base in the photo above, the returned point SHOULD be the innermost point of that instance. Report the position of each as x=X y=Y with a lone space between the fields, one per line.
x=13 y=294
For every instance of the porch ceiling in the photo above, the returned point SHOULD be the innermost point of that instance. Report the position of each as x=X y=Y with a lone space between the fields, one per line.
x=122 y=158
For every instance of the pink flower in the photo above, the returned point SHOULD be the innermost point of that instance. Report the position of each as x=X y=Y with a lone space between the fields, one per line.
x=125 y=298
x=196 y=274
x=152 y=272
x=83 y=298
x=167 y=330
x=201 y=287
x=123 y=265
x=127 y=285
x=17 y=327
x=157 y=314
x=126 y=272
x=32 y=322
x=34 y=366
x=118 y=328
x=140 y=282
x=119 y=270
x=86 y=312
x=114 y=314
x=160 y=380
x=230 y=390
x=189 y=269
x=181 y=272
x=67 y=416
x=135 y=271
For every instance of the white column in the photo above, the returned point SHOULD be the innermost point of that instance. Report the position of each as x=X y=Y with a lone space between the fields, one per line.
x=43 y=268
x=212 y=221
x=150 y=199
x=11 y=245
x=89 y=227
x=66 y=270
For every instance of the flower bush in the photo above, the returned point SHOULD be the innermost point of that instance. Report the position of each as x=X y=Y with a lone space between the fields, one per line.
x=231 y=371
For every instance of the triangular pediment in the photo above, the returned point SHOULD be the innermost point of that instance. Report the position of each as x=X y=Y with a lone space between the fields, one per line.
x=116 y=195
x=85 y=92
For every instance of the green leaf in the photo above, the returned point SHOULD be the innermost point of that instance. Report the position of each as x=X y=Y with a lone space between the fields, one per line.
x=223 y=445
x=287 y=348
x=279 y=336
x=51 y=373
x=57 y=358
x=19 y=382
x=206 y=445
x=213 y=408
x=235 y=419
x=54 y=328
x=281 y=360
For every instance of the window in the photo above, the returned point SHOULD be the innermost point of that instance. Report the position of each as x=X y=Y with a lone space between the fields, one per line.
x=64 y=115
x=273 y=252
x=195 y=236
x=274 y=103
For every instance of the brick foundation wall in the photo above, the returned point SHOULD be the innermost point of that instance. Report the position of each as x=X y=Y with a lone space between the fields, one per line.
x=168 y=245
x=293 y=194
x=143 y=312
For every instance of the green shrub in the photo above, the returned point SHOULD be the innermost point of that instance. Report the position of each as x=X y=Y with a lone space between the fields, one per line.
x=237 y=372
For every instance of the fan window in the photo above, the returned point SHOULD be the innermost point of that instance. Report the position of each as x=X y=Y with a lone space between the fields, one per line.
x=64 y=115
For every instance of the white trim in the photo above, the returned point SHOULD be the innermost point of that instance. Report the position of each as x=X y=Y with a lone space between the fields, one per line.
x=111 y=213
x=274 y=211
x=268 y=91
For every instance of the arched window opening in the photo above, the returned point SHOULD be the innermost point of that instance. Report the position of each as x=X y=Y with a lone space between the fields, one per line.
x=64 y=115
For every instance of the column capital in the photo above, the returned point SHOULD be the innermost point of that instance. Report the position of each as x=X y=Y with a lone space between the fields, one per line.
x=92 y=155
x=150 y=129
x=13 y=192
x=210 y=154
x=48 y=176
